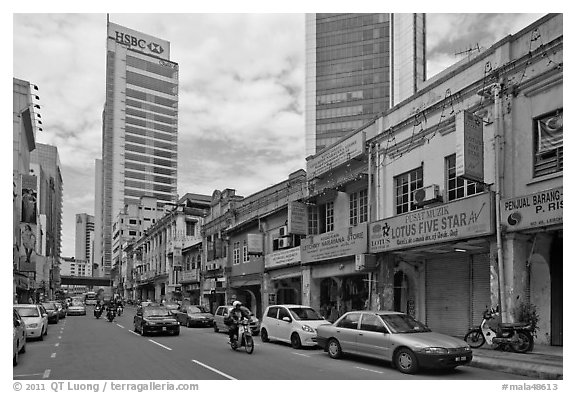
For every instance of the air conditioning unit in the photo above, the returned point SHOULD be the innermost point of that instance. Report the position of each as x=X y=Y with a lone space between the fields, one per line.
x=283 y=231
x=426 y=195
x=285 y=242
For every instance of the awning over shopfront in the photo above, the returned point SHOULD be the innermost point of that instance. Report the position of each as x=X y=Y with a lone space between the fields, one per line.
x=245 y=283
x=285 y=273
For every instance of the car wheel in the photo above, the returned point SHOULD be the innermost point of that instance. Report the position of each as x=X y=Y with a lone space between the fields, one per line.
x=177 y=333
x=23 y=349
x=142 y=331
x=15 y=359
x=215 y=327
x=406 y=361
x=334 y=349
x=264 y=336
x=189 y=324
x=42 y=334
x=295 y=341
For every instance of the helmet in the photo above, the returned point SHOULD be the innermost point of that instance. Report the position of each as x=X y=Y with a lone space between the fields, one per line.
x=236 y=304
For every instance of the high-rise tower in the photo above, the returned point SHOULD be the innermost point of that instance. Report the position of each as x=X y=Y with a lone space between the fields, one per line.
x=140 y=124
x=357 y=66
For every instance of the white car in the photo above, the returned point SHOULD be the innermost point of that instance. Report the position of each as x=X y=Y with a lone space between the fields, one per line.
x=35 y=318
x=77 y=307
x=291 y=323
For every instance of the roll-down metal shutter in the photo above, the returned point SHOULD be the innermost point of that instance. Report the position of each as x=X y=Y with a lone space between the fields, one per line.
x=448 y=294
x=480 y=286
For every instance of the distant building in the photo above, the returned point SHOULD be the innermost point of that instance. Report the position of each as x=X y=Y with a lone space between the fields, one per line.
x=357 y=66
x=139 y=134
x=84 y=236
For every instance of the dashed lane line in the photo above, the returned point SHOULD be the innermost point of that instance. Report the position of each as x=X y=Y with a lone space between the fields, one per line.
x=157 y=343
x=133 y=332
x=46 y=374
x=367 y=369
x=300 y=354
x=57 y=344
x=25 y=375
x=120 y=326
x=213 y=369
x=53 y=355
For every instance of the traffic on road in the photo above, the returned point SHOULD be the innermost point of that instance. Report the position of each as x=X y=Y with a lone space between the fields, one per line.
x=150 y=343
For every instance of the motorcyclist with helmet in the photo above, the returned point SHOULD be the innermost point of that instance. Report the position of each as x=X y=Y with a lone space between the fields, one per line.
x=237 y=313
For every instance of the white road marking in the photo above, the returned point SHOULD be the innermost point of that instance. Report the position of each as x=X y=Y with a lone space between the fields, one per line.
x=46 y=374
x=57 y=344
x=53 y=355
x=133 y=332
x=213 y=369
x=367 y=369
x=59 y=337
x=26 y=375
x=120 y=326
x=300 y=354
x=157 y=343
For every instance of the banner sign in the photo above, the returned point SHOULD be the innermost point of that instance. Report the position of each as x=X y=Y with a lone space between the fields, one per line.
x=469 y=146
x=531 y=211
x=282 y=257
x=29 y=198
x=339 y=243
x=464 y=218
x=344 y=151
x=255 y=243
x=27 y=247
x=139 y=41
x=297 y=218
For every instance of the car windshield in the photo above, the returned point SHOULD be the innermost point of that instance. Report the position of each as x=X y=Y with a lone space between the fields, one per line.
x=305 y=314
x=156 y=312
x=172 y=306
x=402 y=323
x=28 y=311
x=49 y=306
x=196 y=309
x=77 y=302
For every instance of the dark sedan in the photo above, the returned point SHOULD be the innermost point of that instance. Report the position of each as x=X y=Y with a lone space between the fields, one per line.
x=195 y=316
x=53 y=315
x=155 y=319
x=395 y=337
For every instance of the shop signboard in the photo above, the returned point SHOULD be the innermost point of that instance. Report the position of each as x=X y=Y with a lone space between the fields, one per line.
x=469 y=147
x=461 y=219
x=337 y=155
x=339 y=243
x=297 y=218
x=282 y=257
x=540 y=209
x=139 y=41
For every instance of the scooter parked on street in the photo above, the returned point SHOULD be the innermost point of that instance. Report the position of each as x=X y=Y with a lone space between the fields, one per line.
x=519 y=337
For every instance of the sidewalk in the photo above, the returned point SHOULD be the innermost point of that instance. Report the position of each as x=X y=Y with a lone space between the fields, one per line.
x=544 y=362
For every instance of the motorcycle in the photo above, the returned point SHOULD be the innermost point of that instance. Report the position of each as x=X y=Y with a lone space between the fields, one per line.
x=98 y=312
x=111 y=314
x=515 y=336
x=244 y=337
x=120 y=310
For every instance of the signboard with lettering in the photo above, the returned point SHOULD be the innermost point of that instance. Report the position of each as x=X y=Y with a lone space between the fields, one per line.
x=540 y=209
x=282 y=257
x=255 y=243
x=337 y=155
x=297 y=218
x=469 y=146
x=339 y=243
x=463 y=218
x=139 y=41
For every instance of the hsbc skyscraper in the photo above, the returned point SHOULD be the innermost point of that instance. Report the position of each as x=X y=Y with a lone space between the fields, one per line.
x=139 y=133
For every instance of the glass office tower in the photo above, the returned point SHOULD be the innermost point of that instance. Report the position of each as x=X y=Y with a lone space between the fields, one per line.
x=357 y=66
x=140 y=125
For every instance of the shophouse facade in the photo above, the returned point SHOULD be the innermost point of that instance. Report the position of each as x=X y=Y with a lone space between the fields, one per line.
x=215 y=247
x=468 y=189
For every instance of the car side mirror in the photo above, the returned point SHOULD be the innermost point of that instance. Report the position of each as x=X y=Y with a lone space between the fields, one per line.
x=44 y=315
x=286 y=319
x=16 y=323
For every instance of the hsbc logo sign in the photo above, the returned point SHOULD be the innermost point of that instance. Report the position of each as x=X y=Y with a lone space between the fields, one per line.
x=132 y=41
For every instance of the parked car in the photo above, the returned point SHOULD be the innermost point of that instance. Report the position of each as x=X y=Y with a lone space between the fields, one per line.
x=36 y=319
x=155 y=319
x=173 y=307
x=292 y=324
x=395 y=337
x=18 y=337
x=76 y=307
x=52 y=312
x=195 y=316
x=223 y=311
x=60 y=309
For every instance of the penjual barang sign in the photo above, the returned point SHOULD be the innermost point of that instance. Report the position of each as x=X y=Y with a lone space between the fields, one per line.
x=540 y=209
x=464 y=218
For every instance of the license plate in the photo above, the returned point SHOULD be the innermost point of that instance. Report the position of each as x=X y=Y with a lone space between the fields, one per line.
x=163 y=329
x=461 y=359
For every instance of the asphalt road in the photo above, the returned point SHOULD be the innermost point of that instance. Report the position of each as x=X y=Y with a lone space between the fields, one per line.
x=84 y=348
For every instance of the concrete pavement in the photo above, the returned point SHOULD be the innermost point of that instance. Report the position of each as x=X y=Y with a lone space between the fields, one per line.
x=544 y=362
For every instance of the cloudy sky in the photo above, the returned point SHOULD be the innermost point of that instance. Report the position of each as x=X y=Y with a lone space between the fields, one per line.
x=241 y=102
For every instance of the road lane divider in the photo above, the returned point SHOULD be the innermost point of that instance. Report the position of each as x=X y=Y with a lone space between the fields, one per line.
x=46 y=374
x=300 y=354
x=157 y=343
x=367 y=369
x=53 y=355
x=26 y=375
x=120 y=326
x=213 y=369
x=57 y=344
x=133 y=332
